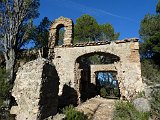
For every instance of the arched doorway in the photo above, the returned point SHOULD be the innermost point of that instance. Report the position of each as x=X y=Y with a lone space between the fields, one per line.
x=85 y=87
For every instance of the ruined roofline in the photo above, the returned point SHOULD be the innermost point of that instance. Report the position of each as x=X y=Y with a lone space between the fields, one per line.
x=35 y=51
x=93 y=43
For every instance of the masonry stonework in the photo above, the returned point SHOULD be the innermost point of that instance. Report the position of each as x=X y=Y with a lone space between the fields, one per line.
x=38 y=83
x=35 y=91
x=128 y=67
x=54 y=33
x=97 y=68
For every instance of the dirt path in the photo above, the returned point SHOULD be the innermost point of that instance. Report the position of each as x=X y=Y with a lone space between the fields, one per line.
x=98 y=108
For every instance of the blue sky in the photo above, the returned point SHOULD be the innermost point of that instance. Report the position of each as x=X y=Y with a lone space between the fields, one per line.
x=124 y=15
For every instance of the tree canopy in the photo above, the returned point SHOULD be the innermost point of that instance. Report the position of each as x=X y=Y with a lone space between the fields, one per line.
x=158 y=7
x=150 y=52
x=40 y=35
x=15 y=26
x=15 y=29
x=150 y=34
x=16 y=20
x=107 y=32
x=87 y=29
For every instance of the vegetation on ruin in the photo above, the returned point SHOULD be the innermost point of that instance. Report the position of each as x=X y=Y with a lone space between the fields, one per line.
x=72 y=114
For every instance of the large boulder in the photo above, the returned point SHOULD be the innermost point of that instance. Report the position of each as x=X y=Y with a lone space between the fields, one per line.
x=142 y=104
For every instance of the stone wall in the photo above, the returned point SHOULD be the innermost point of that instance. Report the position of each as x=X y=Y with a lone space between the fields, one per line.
x=54 y=33
x=36 y=91
x=65 y=59
x=37 y=82
x=128 y=67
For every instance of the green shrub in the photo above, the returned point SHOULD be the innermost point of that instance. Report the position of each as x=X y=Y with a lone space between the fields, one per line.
x=103 y=92
x=5 y=115
x=116 y=92
x=4 y=85
x=139 y=95
x=72 y=114
x=155 y=104
x=151 y=72
x=127 y=111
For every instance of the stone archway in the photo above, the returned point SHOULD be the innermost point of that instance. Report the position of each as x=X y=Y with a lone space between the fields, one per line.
x=54 y=34
x=54 y=29
x=64 y=58
x=85 y=85
x=129 y=72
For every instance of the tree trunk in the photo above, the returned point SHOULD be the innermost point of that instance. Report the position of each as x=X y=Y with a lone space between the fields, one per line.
x=40 y=53
x=10 y=58
x=10 y=63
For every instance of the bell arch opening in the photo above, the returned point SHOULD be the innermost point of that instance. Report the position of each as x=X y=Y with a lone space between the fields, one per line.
x=60 y=34
x=55 y=28
x=84 y=67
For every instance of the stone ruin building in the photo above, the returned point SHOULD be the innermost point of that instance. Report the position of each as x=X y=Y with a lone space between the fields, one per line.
x=43 y=85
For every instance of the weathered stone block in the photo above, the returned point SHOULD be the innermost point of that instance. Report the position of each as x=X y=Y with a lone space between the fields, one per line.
x=142 y=104
x=36 y=90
